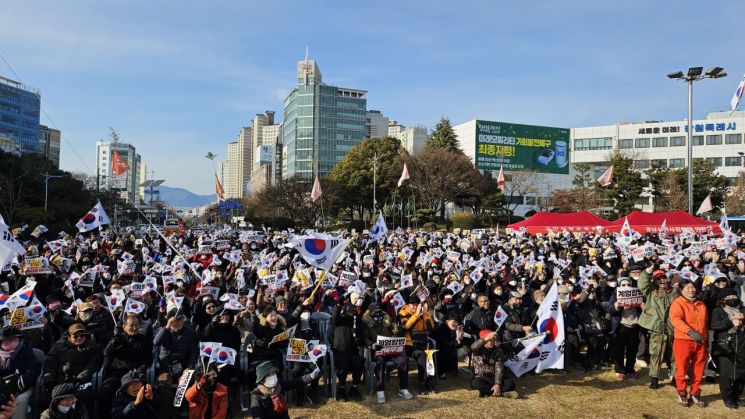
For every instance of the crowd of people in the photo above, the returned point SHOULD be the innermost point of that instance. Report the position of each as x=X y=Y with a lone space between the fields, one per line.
x=127 y=325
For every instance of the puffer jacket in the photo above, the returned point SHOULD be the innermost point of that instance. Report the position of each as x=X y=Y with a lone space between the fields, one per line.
x=487 y=362
x=417 y=327
x=198 y=402
x=655 y=315
x=372 y=330
x=126 y=353
x=181 y=347
x=124 y=407
x=264 y=334
x=67 y=362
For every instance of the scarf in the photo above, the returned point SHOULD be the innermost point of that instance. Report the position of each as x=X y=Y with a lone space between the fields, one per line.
x=6 y=357
x=279 y=400
x=731 y=312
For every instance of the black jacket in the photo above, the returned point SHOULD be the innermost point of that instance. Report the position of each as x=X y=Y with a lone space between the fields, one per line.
x=124 y=407
x=725 y=344
x=182 y=347
x=69 y=363
x=126 y=353
x=26 y=364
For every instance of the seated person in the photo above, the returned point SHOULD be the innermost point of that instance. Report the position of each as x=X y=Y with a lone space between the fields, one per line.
x=488 y=377
x=134 y=399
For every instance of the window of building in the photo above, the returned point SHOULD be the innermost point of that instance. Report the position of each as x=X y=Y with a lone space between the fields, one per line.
x=655 y=163
x=677 y=141
x=733 y=139
x=697 y=140
x=732 y=161
x=641 y=143
x=605 y=143
x=716 y=161
x=641 y=164
x=515 y=200
x=659 y=142
x=713 y=140
x=676 y=163
x=626 y=143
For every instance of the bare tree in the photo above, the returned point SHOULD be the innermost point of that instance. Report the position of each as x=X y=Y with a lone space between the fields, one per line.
x=735 y=201
x=672 y=196
x=439 y=177
x=520 y=184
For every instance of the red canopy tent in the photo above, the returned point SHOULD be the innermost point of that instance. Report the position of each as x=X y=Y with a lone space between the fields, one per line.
x=677 y=221
x=541 y=222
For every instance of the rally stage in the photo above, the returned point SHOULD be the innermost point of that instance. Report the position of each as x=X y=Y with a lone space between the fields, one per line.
x=550 y=394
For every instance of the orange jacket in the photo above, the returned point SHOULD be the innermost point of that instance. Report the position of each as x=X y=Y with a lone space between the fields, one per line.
x=415 y=323
x=198 y=402
x=686 y=315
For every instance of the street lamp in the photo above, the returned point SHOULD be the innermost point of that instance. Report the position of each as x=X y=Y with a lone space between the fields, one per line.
x=47 y=176
x=694 y=74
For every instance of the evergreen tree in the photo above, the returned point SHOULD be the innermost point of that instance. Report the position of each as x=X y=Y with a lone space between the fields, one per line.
x=444 y=138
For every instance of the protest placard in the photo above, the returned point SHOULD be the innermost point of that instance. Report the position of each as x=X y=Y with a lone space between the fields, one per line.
x=390 y=346
x=629 y=296
x=215 y=291
x=287 y=334
x=36 y=265
x=297 y=351
x=21 y=322
x=346 y=279
x=183 y=384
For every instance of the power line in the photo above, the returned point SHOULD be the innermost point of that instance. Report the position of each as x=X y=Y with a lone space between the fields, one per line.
x=54 y=125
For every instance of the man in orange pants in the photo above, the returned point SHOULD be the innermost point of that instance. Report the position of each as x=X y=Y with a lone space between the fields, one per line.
x=691 y=324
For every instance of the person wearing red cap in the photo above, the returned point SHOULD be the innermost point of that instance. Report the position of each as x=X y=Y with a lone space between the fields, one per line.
x=488 y=376
x=658 y=295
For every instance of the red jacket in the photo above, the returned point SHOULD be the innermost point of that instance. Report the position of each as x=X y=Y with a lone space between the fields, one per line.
x=198 y=402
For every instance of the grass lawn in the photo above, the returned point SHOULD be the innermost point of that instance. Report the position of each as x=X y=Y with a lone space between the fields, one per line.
x=577 y=394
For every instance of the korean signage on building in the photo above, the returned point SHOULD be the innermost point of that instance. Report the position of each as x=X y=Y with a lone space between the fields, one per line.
x=707 y=127
x=521 y=147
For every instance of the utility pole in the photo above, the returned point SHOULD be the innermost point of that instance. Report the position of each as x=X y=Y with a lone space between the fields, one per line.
x=375 y=180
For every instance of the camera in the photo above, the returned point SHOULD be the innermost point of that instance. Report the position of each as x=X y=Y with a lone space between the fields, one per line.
x=9 y=386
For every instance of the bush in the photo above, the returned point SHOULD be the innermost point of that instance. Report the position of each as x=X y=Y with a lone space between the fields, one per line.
x=464 y=221
x=431 y=226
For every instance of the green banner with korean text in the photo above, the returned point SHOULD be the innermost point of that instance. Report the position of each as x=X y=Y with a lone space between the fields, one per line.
x=519 y=147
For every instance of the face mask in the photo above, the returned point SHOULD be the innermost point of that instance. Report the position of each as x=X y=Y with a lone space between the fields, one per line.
x=65 y=409
x=635 y=277
x=564 y=298
x=378 y=319
x=732 y=303
x=211 y=384
x=271 y=381
x=473 y=295
x=86 y=316
x=305 y=316
x=612 y=284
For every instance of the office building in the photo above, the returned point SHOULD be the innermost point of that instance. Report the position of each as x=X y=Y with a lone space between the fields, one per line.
x=394 y=128
x=321 y=123
x=376 y=125
x=718 y=139
x=128 y=181
x=20 y=107
x=232 y=180
x=50 y=140
x=264 y=133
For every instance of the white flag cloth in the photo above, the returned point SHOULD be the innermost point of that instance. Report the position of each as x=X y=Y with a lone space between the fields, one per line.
x=500 y=179
x=706 y=206
x=35 y=310
x=404 y=175
x=22 y=296
x=134 y=306
x=114 y=301
x=738 y=95
x=724 y=222
x=320 y=250
x=551 y=321
x=626 y=231
x=316 y=192
x=606 y=178
x=663 y=229
x=95 y=218
x=500 y=316
x=206 y=349
x=528 y=357
x=9 y=246
x=379 y=229
x=223 y=355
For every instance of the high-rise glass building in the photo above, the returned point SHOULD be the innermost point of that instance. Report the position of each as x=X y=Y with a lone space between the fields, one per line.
x=321 y=123
x=19 y=118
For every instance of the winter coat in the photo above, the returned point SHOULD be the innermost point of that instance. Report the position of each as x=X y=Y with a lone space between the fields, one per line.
x=346 y=330
x=417 y=327
x=262 y=405
x=67 y=362
x=26 y=364
x=689 y=315
x=478 y=319
x=198 y=402
x=264 y=334
x=80 y=412
x=123 y=407
x=726 y=344
x=655 y=315
x=372 y=330
x=126 y=353
x=182 y=347
x=487 y=362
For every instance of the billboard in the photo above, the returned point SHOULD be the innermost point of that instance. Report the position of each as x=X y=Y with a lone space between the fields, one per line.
x=519 y=147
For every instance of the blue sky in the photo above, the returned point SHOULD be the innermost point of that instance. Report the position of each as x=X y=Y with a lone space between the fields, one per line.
x=179 y=78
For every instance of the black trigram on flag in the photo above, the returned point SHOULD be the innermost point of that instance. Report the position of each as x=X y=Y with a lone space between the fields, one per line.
x=544 y=355
x=561 y=347
x=554 y=306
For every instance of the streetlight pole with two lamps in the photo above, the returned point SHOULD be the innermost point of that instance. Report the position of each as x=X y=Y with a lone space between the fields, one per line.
x=694 y=74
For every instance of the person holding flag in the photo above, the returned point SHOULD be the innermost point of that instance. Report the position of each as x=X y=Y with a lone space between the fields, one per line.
x=207 y=394
x=417 y=323
x=488 y=368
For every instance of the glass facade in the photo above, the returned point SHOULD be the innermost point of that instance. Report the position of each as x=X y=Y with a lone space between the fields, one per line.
x=321 y=124
x=19 y=117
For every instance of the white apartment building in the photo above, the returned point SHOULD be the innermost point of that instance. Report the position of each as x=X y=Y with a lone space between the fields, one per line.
x=231 y=175
x=128 y=181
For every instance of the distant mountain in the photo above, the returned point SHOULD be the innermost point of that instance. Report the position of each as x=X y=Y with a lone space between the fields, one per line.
x=180 y=197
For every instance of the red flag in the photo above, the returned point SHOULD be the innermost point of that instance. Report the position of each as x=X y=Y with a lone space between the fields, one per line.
x=118 y=164
x=606 y=178
x=500 y=179
x=316 y=192
x=219 y=191
x=404 y=175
